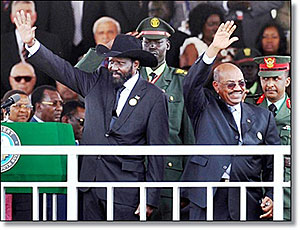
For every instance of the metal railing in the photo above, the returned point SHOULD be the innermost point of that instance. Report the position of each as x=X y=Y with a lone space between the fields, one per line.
x=72 y=175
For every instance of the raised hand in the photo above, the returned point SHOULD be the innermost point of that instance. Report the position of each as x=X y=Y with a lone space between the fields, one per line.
x=222 y=38
x=23 y=25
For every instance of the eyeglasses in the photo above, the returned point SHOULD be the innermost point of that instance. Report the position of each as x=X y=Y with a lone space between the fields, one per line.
x=19 y=78
x=80 y=121
x=53 y=103
x=231 y=85
x=19 y=106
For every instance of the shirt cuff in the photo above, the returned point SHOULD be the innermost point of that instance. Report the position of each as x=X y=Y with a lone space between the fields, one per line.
x=225 y=6
x=33 y=49
x=207 y=60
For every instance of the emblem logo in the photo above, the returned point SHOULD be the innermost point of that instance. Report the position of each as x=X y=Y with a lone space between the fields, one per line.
x=247 y=52
x=9 y=138
x=154 y=22
x=270 y=61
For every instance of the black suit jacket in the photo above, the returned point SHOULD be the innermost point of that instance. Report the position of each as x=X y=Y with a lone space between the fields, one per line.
x=10 y=57
x=145 y=123
x=214 y=125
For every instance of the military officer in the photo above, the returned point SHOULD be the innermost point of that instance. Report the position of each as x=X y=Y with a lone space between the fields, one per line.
x=155 y=34
x=274 y=77
x=244 y=60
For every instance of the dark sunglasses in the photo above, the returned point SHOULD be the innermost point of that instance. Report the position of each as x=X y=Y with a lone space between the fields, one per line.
x=231 y=85
x=19 y=78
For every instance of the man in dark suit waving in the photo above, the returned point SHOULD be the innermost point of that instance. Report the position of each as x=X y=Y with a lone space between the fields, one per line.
x=223 y=119
x=121 y=109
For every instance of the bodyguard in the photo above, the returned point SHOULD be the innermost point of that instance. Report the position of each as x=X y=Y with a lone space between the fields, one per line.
x=155 y=34
x=274 y=77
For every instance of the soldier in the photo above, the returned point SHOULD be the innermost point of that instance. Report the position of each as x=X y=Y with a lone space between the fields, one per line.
x=244 y=60
x=155 y=34
x=274 y=77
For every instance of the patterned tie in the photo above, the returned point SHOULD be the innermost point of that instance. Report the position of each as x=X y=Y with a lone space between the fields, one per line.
x=24 y=53
x=151 y=76
x=273 y=109
x=114 y=111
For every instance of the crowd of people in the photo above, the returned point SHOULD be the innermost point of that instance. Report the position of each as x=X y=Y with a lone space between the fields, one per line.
x=155 y=73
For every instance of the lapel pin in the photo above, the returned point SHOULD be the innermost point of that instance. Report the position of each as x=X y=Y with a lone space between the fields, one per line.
x=133 y=101
x=248 y=120
x=259 y=135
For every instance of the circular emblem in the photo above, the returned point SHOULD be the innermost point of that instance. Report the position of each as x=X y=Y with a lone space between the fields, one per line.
x=133 y=101
x=154 y=22
x=8 y=138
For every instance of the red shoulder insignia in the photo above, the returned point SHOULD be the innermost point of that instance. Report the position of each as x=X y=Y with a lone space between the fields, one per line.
x=288 y=103
x=260 y=99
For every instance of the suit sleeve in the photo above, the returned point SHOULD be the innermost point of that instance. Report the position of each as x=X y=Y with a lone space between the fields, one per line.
x=157 y=134
x=194 y=96
x=62 y=71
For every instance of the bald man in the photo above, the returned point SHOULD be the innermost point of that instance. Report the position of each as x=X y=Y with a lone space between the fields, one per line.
x=22 y=77
x=221 y=118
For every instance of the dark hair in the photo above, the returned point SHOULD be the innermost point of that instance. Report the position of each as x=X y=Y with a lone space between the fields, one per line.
x=199 y=15
x=38 y=94
x=12 y=92
x=282 y=43
x=70 y=107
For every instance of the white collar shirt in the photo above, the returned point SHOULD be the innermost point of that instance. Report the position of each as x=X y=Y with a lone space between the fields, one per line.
x=129 y=84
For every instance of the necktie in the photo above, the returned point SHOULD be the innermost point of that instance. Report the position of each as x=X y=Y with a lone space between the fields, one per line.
x=237 y=120
x=273 y=109
x=151 y=76
x=24 y=53
x=114 y=113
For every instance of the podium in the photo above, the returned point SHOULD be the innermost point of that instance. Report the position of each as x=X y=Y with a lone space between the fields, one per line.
x=38 y=168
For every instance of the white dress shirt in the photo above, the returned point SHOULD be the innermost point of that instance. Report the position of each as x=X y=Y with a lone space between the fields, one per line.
x=129 y=84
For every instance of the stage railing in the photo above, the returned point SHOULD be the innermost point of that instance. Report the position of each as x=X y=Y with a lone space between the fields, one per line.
x=72 y=176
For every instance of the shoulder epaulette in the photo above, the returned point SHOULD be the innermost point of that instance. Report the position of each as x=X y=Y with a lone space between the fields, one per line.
x=181 y=71
x=260 y=99
x=288 y=103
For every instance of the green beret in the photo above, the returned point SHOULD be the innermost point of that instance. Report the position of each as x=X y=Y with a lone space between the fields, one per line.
x=272 y=65
x=154 y=28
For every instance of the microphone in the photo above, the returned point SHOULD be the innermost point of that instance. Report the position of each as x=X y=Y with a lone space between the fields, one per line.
x=10 y=101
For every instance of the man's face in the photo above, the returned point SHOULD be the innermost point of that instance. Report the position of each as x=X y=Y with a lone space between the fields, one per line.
x=121 y=69
x=158 y=47
x=50 y=108
x=105 y=32
x=27 y=8
x=249 y=70
x=77 y=121
x=20 y=111
x=274 y=87
x=231 y=84
x=22 y=78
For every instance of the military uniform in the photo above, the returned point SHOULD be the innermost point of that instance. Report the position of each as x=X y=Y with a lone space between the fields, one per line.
x=282 y=118
x=244 y=57
x=170 y=80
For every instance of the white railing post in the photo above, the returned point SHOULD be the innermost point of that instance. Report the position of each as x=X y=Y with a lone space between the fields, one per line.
x=143 y=200
x=54 y=206
x=35 y=203
x=110 y=203
x=243 y=203
x=45 y=206
x=209 y=204
x=176 y=203
x=278 y=169
x=72 y=179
